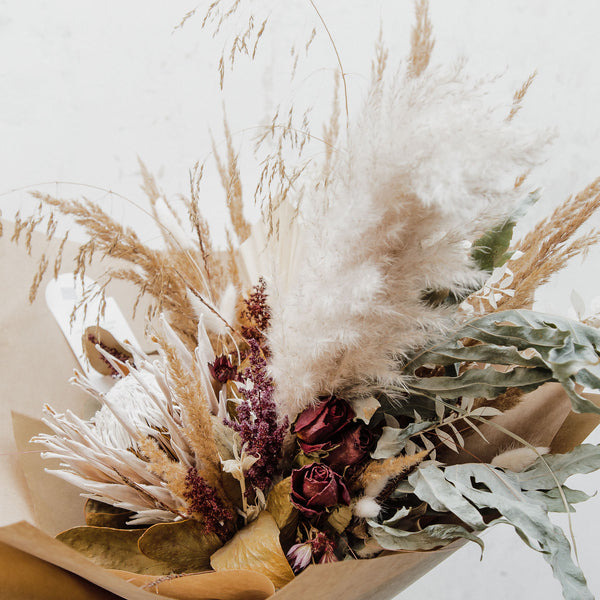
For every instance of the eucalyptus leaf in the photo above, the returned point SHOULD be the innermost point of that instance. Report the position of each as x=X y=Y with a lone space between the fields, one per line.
x=582 y=459
x=365 y=407
x=183 y=545
x=113 y=549
x=99 y=514
x=488 y=487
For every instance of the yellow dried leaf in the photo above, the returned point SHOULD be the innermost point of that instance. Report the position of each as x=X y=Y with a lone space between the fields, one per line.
x=257 y=548
x=112 y=548
x=182 y=545
x=340 y=518
x=98 y=514
x=283 y=511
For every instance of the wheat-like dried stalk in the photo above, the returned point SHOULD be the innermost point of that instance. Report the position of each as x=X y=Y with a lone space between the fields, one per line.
x=186 y=385
x=548 y=247
x=422 y=41
x=164 y=275
x=231 y=181
x=519 y=96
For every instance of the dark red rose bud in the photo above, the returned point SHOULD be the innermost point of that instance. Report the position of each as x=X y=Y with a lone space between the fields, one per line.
x=222 y=369
x=351 y=447
x=316 y=487
x=321 y=422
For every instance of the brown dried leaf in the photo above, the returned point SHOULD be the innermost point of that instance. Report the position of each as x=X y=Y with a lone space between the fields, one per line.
x=112 y=548
x=99 y=514
x=257 y=548
x=182 y=545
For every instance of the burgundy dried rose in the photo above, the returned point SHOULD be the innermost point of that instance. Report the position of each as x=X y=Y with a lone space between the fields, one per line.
x=316 y=487
x=320 y=423
x=353 y=445
x=222 y=369
x=318 y=449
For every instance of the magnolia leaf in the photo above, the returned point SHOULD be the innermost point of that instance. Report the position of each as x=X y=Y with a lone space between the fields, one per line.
x=393 y=441
x=430 y=538
x=552 y=501
x=225 y=585
x=365 y=408
x=113 y=548
x=283 y=511
x=183 y=545
x=99 y=514
x=431 y=486
x=488 y=487
x=340 y=518
x=256 y=547
x=582 y=459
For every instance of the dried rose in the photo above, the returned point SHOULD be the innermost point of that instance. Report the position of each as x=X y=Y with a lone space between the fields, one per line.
x=316 y=487
x=222 y=369
x=318 y=449
x=321 y=422
x=351 y=447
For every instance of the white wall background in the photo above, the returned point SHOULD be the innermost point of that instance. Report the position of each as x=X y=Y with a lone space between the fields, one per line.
x=86 y=87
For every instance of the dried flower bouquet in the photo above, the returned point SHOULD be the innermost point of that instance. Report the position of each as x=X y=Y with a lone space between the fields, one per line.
x=357 y=375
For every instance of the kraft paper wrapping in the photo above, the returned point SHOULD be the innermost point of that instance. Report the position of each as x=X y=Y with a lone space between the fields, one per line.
x=37 y=363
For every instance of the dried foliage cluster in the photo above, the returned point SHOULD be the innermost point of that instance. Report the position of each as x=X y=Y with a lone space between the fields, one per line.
x=311 y=374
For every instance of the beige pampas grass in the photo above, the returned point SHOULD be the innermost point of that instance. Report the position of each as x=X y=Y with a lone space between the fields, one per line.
x=427 y=168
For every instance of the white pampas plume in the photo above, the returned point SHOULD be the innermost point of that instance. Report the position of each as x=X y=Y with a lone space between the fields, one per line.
x=427 y=168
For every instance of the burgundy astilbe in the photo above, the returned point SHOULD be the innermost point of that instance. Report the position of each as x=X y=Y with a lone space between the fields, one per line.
x=258 y=314
x=262 y=436
x=203 y=500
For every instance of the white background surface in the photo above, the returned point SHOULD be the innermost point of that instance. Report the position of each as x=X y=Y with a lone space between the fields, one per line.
x=87 y=87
